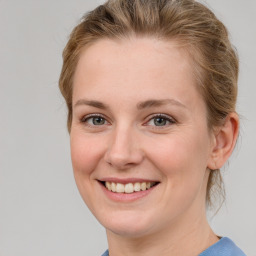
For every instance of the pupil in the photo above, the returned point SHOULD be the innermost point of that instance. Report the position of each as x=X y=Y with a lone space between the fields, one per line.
x=98 y=120
x=159 y=121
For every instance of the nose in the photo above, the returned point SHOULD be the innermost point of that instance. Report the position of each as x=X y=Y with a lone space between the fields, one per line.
x=124 y=150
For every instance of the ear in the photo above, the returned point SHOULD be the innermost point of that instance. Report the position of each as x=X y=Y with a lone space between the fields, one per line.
x=224 y=141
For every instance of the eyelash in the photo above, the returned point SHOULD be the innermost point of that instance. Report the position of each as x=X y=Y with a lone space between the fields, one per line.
x=162 y=116
x=167 y=118
x=85 y=119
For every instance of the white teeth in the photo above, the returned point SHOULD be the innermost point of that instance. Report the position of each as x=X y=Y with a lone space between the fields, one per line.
x=113 y=187
x=143 y=186
x=136 y=186
x=108 y=185
x=119 y=188
x=129 y=187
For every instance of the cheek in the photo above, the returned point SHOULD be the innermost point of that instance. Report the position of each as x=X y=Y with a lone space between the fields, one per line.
x=179 y=150
x=182 y=159
x=86 y=153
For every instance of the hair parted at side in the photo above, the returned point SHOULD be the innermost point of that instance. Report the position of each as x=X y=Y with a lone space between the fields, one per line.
x=194 y=26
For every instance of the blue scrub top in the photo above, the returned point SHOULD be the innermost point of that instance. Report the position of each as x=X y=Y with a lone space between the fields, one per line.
x=224 y=247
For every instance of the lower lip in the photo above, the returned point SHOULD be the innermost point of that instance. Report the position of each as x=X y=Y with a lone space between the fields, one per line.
x=127 y=197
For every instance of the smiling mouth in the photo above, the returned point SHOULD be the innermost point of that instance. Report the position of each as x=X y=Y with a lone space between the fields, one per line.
x=128 y=188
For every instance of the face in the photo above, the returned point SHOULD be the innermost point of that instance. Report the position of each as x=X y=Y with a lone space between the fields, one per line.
x=140 y=144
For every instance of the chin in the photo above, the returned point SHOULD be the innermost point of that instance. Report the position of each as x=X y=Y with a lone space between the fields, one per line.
x=128 y=225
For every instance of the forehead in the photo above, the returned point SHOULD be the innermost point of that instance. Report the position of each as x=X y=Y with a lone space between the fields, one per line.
x=142 y=53
x=145 y=65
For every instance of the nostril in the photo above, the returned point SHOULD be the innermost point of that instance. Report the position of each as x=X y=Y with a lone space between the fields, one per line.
x=123 y=150
x=123 y=160
x=119 y=161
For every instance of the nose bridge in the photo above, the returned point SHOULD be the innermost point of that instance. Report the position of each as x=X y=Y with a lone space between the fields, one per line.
x=123 y=149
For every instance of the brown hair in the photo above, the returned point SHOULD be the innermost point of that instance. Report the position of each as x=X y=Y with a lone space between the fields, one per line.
x=190 y=23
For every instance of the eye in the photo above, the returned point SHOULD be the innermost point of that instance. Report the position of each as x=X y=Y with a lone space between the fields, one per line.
x=94 y=120
x=160 y=120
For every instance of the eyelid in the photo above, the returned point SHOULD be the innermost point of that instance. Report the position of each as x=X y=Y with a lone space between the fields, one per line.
x=84 y=118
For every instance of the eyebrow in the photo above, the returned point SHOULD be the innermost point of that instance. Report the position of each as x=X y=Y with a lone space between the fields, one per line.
x=158 y=103
x=141 y=105
x=92 y=103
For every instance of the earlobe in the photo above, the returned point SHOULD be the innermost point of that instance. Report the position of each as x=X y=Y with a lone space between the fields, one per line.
x=224 y=141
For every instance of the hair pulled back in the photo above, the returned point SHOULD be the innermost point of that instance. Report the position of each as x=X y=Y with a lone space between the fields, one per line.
x=192 y=25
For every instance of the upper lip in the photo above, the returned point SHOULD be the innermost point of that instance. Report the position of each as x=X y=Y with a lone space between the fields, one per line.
x=126 y=180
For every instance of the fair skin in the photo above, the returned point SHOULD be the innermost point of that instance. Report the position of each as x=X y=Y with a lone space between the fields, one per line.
x=138 y=117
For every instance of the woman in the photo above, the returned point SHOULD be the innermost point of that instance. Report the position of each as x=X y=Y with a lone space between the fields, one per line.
x=151 y=89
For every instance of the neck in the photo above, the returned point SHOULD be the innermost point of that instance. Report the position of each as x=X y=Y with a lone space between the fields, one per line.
x=186 y=237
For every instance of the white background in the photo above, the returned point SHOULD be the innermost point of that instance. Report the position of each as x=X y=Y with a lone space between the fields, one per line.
x=41 y=212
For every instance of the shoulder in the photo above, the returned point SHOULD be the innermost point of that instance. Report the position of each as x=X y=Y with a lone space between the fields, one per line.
x=224 y=247
x=105 y=253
